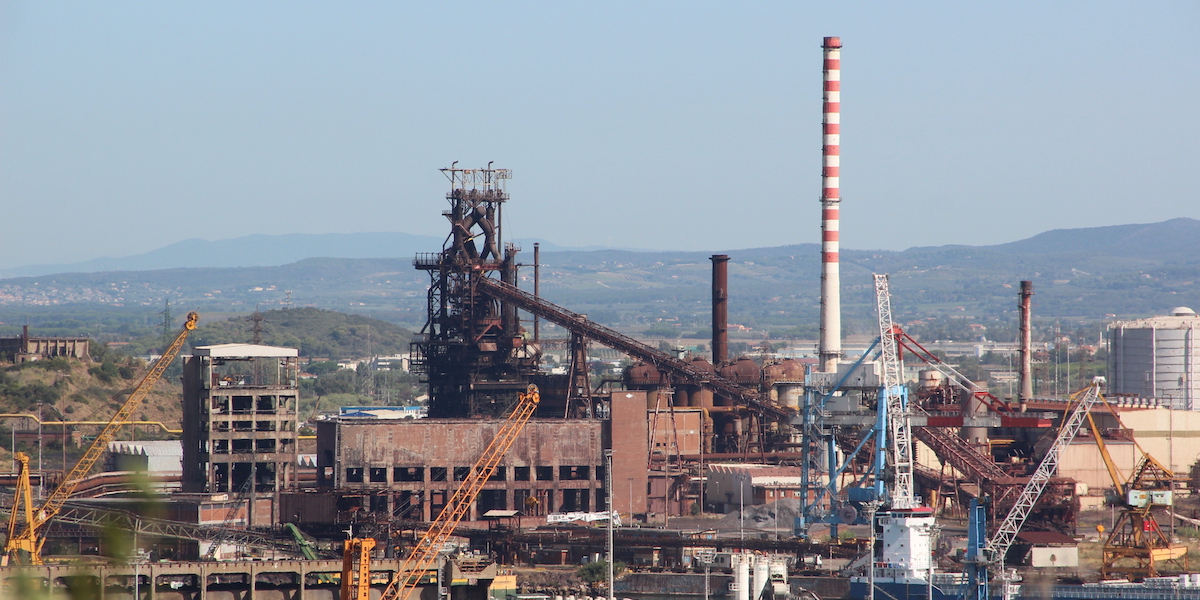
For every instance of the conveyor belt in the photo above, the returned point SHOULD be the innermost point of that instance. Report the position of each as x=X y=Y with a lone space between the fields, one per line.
x=579 y=324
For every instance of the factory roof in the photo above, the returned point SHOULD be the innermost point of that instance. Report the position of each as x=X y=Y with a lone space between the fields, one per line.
x=1041 y=538
x=147 y=448
x=1181 y=317
x=244 y=351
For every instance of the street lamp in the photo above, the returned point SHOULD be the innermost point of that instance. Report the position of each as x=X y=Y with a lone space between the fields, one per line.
x=871 y=507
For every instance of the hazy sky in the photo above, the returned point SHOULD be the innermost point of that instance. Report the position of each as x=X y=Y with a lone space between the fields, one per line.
x=126 y=126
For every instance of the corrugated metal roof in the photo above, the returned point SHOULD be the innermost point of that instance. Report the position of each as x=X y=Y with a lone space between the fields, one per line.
x=245 y=350
x=147 y=448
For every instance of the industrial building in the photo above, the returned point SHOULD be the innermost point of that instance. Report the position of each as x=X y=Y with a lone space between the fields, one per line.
x=239 y=415
x=26 y=347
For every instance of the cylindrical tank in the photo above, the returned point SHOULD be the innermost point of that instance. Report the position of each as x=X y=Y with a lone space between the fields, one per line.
x=929 y=379
x=762 y=571
x=1156 y=358
x=790 y=394
x=741 y=575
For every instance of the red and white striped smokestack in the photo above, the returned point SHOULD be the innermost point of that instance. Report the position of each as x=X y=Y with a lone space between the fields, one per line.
x=830 y=348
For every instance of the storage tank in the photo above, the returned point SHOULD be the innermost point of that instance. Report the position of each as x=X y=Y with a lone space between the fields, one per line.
x=1156 y=358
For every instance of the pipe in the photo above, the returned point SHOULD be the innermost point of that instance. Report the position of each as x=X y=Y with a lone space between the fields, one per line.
x=720 y=309
x=1025 y=371
x=830 y=346
x=71 y=423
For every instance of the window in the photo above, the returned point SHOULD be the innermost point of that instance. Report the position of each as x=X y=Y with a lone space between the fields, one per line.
x=220 y=446
x=545 y=473
x=243 y=445
x=265 y=404
x=437 y=473
x=379 y=475
x=520 y=473
x=242 y=404
x=408 y=474
x=497 y=475
x=265 y=446
x=574 y=473
x=354 y=475
x=461 y=473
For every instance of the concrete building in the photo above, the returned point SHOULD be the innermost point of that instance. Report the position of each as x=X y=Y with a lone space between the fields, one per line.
x=239 y=415
x=1156 y=358
x=27 y=347
x=731 y=486
x=408 y=468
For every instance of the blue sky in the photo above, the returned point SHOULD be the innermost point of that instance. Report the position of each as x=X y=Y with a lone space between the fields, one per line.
x=128 y=126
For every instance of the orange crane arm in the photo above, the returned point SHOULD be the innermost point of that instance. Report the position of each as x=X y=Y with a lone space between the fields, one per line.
x=424 y=555
x=30 y=540
x=1118 y=482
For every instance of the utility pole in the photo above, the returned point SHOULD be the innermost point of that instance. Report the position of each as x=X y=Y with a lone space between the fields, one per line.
x=608 y=460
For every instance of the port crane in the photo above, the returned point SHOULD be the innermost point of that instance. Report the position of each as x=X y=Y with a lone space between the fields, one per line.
x=980 y=554
x=1137 y=544
x=355 y=571
x=24 y=544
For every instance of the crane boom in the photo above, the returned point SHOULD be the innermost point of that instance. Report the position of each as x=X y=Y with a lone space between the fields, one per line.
x=1006 y=534
x=424 y=555
x=30 y=540
x=900 y=444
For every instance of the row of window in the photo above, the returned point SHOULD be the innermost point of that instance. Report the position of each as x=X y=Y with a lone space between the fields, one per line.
x=247 y=426
x=411 y=505
x=250 y=404
x=418 y=474
x=244 y=445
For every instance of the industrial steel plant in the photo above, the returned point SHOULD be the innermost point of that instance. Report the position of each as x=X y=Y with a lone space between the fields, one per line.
x=883 y=474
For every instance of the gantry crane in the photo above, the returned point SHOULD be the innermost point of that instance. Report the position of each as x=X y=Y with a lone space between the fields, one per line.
x=355 y=578
x=25 y=544
x=1136 y=545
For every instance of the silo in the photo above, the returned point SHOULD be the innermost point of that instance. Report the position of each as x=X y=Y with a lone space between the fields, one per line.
x=1156 y=358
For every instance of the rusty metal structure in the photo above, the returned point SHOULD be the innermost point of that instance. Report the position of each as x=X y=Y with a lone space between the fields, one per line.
x=473 y=355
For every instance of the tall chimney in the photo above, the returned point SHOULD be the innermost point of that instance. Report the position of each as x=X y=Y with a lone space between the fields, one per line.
x=720 y=308
x=830 y=347
x=1025 y=374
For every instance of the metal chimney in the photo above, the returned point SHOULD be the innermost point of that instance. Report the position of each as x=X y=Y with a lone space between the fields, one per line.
x=830 y=345
x=1025 y=373
x=720 y=308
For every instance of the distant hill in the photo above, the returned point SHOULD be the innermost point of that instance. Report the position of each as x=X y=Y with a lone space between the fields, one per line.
x=262 y=251
x=249 y=251
x=1127 y=270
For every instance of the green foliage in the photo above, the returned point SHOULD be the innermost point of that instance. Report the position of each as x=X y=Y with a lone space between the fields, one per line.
x=321 y=367
x=26 y=397
x=315 y=332
x=597 y=572
x=106 y=371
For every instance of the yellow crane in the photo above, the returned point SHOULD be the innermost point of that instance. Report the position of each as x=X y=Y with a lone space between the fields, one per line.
x=1137 y=545
x=24 y=545
x=355 y=584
